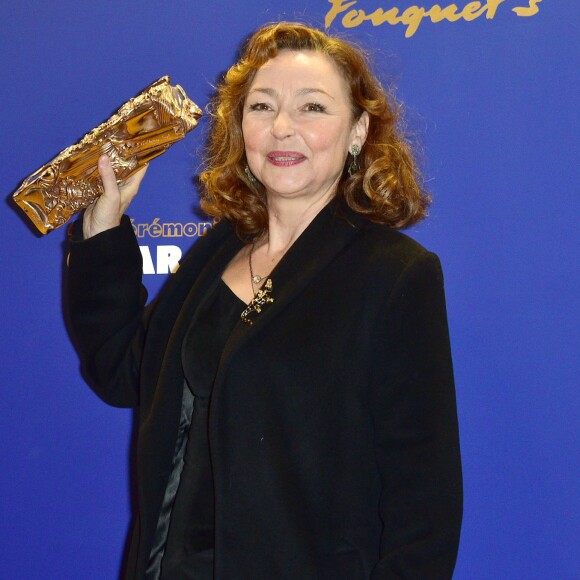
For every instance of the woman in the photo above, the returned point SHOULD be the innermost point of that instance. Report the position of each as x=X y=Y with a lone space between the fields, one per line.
x=294 y=383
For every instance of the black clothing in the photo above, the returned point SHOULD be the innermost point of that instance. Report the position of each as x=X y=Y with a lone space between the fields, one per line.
x=332 y=427
x=190 y=538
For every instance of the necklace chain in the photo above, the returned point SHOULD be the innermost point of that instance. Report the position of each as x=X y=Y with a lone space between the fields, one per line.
x=254 y=278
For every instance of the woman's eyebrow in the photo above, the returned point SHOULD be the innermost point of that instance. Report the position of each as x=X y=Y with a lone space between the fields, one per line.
x=300 y=92
x=308 y=91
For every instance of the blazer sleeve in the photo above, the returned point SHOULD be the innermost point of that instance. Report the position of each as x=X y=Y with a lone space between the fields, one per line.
x=416 y=429
x=106 y=303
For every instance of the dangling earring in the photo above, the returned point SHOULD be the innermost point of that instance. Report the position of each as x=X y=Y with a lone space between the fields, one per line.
x=354 y=166
x=250 y=175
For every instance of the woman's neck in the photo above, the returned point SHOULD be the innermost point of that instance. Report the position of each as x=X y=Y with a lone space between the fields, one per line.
x=287 y=220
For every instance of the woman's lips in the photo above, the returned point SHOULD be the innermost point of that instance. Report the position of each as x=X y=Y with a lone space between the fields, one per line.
x=285 y=158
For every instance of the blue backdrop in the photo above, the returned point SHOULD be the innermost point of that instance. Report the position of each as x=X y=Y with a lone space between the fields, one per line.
x=491 y=93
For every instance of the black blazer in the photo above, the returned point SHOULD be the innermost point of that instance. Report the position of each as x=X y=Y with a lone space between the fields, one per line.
x=333 y=425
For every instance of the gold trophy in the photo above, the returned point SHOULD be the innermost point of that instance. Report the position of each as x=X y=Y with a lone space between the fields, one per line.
x=142 y=129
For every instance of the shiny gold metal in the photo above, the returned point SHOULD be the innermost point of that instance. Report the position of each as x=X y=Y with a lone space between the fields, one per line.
x=142 y=129
x=261 y=298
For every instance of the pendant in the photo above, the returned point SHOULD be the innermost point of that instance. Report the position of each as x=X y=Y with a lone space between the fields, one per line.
x=256 y=278
x=262 y=297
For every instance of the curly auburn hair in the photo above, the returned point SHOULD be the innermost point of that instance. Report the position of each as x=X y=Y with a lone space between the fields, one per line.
x=387 y=187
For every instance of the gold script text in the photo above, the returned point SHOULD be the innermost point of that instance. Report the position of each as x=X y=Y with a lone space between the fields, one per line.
x=413 y=16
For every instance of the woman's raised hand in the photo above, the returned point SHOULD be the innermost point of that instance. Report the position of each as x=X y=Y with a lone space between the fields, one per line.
x=106 y=212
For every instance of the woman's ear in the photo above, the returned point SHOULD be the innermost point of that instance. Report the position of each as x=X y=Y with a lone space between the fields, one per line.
x=360 y=129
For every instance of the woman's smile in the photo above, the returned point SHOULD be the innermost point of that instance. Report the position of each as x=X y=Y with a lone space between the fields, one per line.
x=285 y=158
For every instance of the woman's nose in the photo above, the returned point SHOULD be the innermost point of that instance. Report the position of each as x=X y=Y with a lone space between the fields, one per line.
x=282 y=125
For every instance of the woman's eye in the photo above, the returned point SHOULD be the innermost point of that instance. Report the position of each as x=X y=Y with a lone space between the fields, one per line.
x=315 y=108
x=259 y=107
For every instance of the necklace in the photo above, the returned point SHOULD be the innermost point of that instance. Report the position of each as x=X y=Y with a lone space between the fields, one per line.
x=261 y=297
x=254 y=278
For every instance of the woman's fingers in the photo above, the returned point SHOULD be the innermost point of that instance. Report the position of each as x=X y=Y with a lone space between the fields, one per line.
x=108 y=178
x=107 y=210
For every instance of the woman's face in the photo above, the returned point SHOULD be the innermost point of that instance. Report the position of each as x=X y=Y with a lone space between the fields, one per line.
x=298 y=125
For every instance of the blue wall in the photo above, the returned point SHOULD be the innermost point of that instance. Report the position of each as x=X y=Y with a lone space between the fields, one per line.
x=492 y=98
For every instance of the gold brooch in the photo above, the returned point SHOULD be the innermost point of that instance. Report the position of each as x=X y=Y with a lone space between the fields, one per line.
x=262 y=297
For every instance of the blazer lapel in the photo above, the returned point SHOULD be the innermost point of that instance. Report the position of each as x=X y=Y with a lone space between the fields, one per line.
x=325 y=237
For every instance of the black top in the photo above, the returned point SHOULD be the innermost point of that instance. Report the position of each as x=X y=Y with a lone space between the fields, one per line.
x=190 y=541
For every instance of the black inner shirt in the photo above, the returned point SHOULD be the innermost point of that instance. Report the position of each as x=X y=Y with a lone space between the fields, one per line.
x=189 y=550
